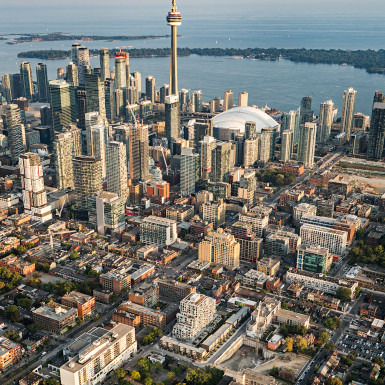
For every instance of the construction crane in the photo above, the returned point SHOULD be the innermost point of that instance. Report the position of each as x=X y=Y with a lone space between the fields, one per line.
x=133 y=115
x=165 y=161
x=58 y=213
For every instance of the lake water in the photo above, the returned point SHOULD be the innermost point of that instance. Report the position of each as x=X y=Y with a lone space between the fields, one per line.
x=280 y=84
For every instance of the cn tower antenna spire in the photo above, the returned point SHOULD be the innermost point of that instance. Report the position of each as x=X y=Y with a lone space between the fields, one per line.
x=174 y=19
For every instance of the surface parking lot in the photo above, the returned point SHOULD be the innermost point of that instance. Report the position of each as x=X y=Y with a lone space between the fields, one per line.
x=365 y=348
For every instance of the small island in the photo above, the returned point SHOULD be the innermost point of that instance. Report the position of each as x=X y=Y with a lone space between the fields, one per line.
x=60 y=36
x=370 y=60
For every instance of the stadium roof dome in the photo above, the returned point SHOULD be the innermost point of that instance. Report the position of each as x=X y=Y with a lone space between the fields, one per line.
x=236 y=118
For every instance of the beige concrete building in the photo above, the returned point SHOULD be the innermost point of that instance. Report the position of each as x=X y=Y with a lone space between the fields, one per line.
x=96 y=353
x=214 y=212
x=220 y=247
x=196 y=311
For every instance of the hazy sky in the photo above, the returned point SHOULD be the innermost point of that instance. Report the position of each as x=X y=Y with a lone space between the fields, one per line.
x=208 y=7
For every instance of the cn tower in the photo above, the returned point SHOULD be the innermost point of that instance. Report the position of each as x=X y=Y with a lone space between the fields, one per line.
x=174 y=19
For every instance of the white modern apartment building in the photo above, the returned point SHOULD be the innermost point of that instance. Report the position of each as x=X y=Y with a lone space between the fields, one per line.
x=303 y=209
x=94 y=354
x=195 y=312
x=334 y=240
x=319 y=282
x=158 y=231
x=258 y=220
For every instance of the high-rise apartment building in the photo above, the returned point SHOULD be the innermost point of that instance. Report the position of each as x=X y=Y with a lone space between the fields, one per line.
x=87 y=177
x=26 y=80
x=164 y=91
x=325 y=121
x=189 y=169
x=377 y=127
x=96 y=144
x=287 y=141
x=306 y=145
x=347 y=117
x=72 y=74
x=291 y=121
x=6 y=84
x=107 y=211
x=81 y=58
x=258 y=220
x=228 y=100
x=221 y=162
x=150 y=88
x=42 y=82
x=220 y=247
x=197 y=100
x=172 y=115
x=207 y=145
x=102 y=351
x=243 y=99
x=63 y=151
x=104 y=55
x=158 y=231
x=306 y=112
x=32 y=182
x=315 y=259
x=62 y=110
x=12 y=123
x=331 y=239
x=95 y=101
x=109 y=98
x=120 y=70
x=117 y=169
x=195 y=312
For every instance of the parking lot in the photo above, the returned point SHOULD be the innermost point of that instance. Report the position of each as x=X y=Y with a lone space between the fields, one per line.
x=366 y=349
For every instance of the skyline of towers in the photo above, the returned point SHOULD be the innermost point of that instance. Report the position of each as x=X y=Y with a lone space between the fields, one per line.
x=348 y=106
x=174 y=19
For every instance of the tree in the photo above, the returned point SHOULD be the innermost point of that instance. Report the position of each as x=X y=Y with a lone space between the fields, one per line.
x=332 y=323
x=289 y=344
x=12 y=313
x=148 y=381
x=50 y=381
x=120 y=373
x=378 y=360
x=74 y=255
x=300 y=343
x=330 y=346
x=171 y=376
x=344 y=294
x=333 y=381
x=323 y=338
x=283 y=329
x=12 y=335
x=135 y=375
x=157 y=367
x=25 y=303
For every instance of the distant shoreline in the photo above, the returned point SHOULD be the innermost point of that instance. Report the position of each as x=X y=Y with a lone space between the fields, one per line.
x=370 y=60
x=60 y=36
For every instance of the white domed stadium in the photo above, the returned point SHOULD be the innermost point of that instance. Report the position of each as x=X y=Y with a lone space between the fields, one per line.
x=233 y=121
